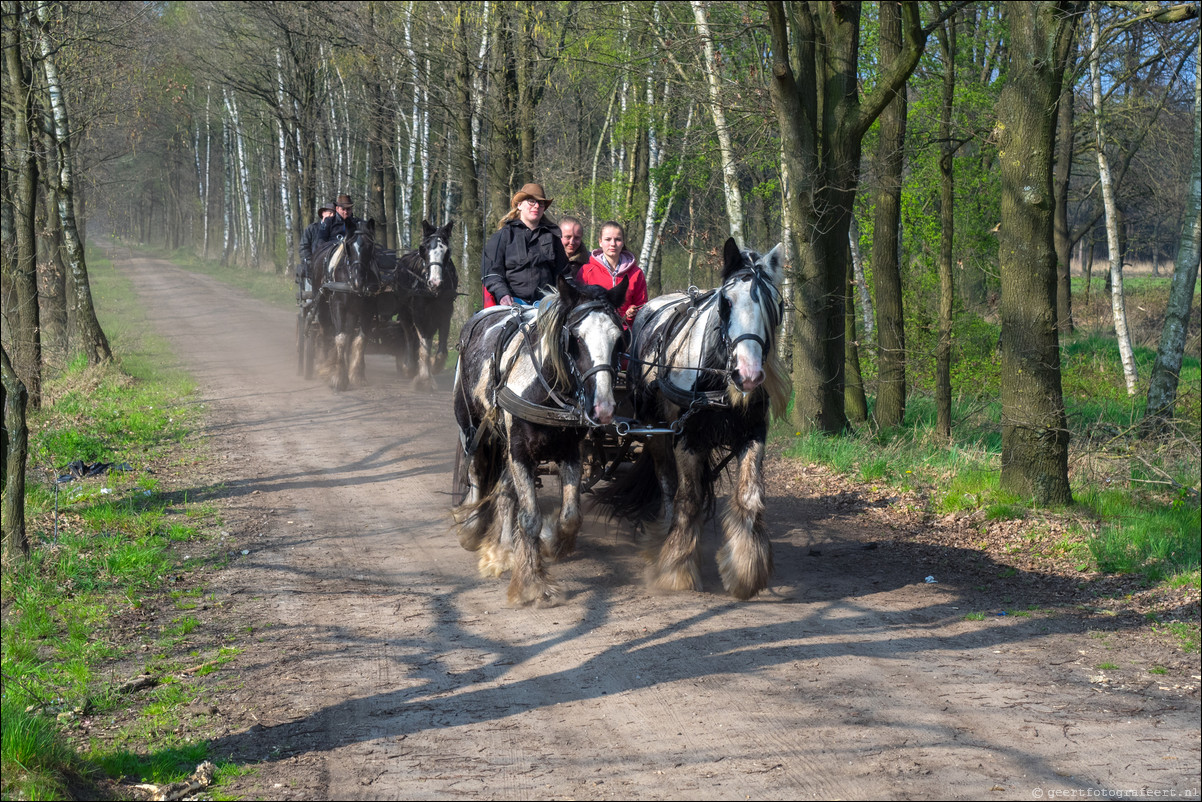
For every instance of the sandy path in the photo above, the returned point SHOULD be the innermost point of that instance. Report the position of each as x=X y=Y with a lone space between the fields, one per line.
x=382 y=666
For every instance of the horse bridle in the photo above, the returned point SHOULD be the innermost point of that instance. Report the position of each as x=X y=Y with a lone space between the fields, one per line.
x=688 y=310
x=566 y=412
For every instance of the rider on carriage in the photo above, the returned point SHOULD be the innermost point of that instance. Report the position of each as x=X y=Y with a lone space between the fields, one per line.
x=309 y=242
x=526 y=255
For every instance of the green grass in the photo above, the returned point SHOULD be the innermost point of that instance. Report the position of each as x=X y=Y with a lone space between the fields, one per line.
x=1157 y=541
x=101 y=548
x=1144 y=491
x=36 y=761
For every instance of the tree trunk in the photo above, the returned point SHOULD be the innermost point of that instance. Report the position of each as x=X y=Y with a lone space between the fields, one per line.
x=730 y=179
x=890 y=407
x=15 y=453
x=814 y=67
x=857 y=264
x=1114 y=247
x=25 y=332
x=1034 y=430
x=91 y=336
x=947 y=199
x=855 y=401
x=1060 y=223
x=467 y=168
x=1162 y=387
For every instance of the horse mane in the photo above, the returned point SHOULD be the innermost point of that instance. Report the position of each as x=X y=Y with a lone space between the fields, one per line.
x=552 y=317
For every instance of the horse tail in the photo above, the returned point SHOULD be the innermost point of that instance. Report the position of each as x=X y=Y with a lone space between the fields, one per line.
x=635 y=494
x=473 y=518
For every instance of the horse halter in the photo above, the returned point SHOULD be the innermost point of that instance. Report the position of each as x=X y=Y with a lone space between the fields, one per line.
x=576 y=317
x=776 y=312
x=425 y=249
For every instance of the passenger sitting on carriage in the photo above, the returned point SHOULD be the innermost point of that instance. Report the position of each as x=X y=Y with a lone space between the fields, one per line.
x=611 y=263
x=338 y=226
x=309 y=241
x=525 y=256
x=571 y=234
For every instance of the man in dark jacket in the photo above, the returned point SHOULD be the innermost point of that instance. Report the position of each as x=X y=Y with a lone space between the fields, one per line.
x=525 y=256
x=342 y=223
x=309 y=242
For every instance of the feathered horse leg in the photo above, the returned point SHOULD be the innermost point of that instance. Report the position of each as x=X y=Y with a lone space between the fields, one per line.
x=745 y=561
x=530 y=583
x=674 y=564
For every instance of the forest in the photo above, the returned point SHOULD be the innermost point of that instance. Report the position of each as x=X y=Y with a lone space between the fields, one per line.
x=939 y=173
x=990 y=214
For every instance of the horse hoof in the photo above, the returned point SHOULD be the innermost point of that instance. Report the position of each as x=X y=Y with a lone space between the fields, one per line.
x=541 y=594
x=678 y=578
x=745 y=571
x=495 y=560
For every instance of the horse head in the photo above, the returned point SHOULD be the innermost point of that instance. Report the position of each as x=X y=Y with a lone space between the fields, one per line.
x=581 y=332
x=750 y=307
x=436 y=254
x=360 y=259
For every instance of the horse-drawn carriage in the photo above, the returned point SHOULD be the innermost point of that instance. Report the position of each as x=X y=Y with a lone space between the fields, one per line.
x=539 y=386
x=372 y=300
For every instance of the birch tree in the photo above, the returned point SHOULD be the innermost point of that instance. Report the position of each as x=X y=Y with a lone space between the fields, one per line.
x=1118 y=305
x=90 y=335
x=1162 y=387
x=730 y=179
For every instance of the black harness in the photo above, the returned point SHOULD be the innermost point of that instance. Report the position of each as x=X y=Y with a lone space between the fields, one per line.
x=559 y=410
x=684 y=314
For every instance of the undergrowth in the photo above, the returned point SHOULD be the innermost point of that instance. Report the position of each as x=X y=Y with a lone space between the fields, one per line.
x=100 y=548
x=1137 y=496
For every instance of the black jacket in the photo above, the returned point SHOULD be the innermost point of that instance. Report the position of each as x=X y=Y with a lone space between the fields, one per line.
x=309 y=241
x=521 y=262
x=335 y=228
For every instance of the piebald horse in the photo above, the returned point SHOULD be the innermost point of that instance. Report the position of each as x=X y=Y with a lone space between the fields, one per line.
x=705 y=364
x=348 y=275
x=529 y=383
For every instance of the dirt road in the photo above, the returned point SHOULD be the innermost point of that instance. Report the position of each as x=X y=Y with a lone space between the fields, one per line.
x=381 y=666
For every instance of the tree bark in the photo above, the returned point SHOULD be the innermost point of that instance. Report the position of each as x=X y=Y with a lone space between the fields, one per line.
x=947 y=199
x=467 y=166
x=1114 y=246
x=815 y=93
x=890 y=407
x=1060 y=226
x=1162 y=387
x=15 y=453
x=730 y=179
x=1034 y=430
x=25 y=331
x=91 y=335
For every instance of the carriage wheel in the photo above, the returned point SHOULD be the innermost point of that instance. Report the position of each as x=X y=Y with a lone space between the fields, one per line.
x=300 y=342
x=310 y=346
x=460 y=483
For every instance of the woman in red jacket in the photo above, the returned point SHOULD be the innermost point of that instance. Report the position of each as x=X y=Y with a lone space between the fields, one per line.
x=610 y=263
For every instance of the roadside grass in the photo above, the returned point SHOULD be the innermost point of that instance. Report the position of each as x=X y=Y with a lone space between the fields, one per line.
x=1136 y=499
x=102 y=548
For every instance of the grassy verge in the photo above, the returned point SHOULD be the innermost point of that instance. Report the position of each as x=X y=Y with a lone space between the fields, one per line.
x=104 y=550
x=1136 y=500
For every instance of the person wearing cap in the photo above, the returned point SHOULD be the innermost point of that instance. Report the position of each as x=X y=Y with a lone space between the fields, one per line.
x=525 y=257
x=310 y=239
x=342 y=222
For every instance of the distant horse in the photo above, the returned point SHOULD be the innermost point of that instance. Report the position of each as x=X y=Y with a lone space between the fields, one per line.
x=348 y=278
x=529 y=383
x=426 y=285
x=705 y=362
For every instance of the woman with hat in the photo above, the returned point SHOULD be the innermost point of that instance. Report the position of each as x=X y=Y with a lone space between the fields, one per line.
x=525 y=256
x=342 y=223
